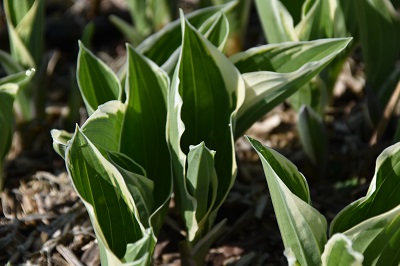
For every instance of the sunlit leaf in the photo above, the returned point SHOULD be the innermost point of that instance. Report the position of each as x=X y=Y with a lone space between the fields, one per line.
x=205 y=94
x=303 y=228
x=339 y=251
x=97 y=82
x=102 y=187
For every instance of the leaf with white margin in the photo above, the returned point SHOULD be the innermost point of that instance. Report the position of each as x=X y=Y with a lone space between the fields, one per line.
x=205 y=94
x=277 y=22
x=303 y=228
x=378 y=238
x=382 y=195
x=339 y=251
x=97 y=82
x=104 y=192
x=161 y=45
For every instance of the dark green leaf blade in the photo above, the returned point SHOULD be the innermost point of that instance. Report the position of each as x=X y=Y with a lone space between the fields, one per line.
x=100 y=185
x=97 y=83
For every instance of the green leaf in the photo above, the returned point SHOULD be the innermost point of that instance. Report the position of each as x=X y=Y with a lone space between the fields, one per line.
x=97 y=83
x=317 y=20
x=102 y=188
x=202 y=186
x=104 y=126
x=381 y=196
x=277 y=22
x=10 y=65
x=339 y=251
x=216 y=30
x=372 y=222
x=87 y=34
x=7 y=96
x=378 y=238
x=129 y=31
x=288 y=57
x=143 y=135
x=25 y=23
x=139 y=11
x=60 y=141
x=160 y=46
x=162 y=12
x=303 y=228
x=138 y=253
x=206 y=92
x=20 y=78
x=140 y=187
x=376 y=21
x=312 y=136
x=137 y=130
x=265 y=90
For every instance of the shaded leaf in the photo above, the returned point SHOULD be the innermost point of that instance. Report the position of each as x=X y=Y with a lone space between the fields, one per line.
x=312 y=136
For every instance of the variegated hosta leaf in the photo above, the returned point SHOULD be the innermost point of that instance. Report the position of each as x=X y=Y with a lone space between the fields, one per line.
x=7 y=96
x=277 y=22
x=376 y=21
x=9 y=64
x=290 y=56
x=160 y=46
x=128 y=138
x=105 y=195
x=317 y=20
x=296 y=64
x=303 y=228
x=60 y=141
x=339 y=251
x=140 y=187
x=205 y=94
x=9 y=87
x=382 y=195
x=313 y=136
x=372 y=222
x=25 y=22
x=137 y=128
x=143 y=131
x=104 y=126
x=20 y=78
x=215 y=29
x=202 y=184
x=378 y=238
x=97 y=82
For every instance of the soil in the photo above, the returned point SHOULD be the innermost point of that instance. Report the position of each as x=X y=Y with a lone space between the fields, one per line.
x=43 y=222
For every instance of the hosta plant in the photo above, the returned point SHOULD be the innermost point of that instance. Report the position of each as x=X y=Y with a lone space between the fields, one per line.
x=151 y=16
x=25 y=24
x=9 y=87
x=366 y=232
x=371 y=24
x=149 y=129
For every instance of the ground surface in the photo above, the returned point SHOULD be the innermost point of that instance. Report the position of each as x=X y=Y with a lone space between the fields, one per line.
x=43 y=221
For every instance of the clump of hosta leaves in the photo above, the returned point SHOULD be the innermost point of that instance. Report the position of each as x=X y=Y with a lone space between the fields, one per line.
x=173 y=120
x=366 y=232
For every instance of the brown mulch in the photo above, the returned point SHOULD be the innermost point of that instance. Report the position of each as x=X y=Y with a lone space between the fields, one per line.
x=43 y=222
